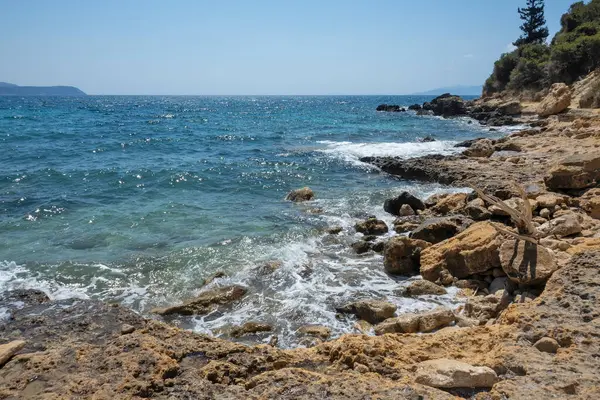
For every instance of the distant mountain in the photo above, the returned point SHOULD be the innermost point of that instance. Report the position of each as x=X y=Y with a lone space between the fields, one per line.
x=457 y=90
x=8 y=89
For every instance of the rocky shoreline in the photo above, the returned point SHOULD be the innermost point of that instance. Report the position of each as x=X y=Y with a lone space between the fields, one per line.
x=528 y=269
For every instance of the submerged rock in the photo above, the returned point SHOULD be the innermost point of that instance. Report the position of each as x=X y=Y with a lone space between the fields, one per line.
x=372 y=311
x=205 y=302
x=393 y=206
x=449 y=374
x=298 y=195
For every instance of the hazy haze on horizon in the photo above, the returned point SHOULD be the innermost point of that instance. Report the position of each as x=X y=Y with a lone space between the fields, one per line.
x=263 y=47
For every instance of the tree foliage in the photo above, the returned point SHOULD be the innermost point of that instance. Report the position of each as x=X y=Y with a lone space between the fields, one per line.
x=534 y=25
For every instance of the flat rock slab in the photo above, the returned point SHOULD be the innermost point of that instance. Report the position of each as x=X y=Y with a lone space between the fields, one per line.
x=8 y=350
x=451 y=374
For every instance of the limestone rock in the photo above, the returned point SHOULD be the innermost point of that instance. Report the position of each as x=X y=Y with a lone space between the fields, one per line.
x=435 y=230
x=411 y=323
x=471 y=252
x=298 y=195
x=435 y=319
x=361 y=247
x=8 y=350
x=550 y=200
x=401 y=255
x=557 y=100
x=334 y=230
x=449 y=203
x=481 y=148
x=564 y=225
x=527 y=263
x=371 y=226
x=547 y=345
x=423 y=287
x=406 y=211
x=319 y=331
x=578 y=171
x=206 y=301
x=406 y=224
x=372 y=311
x=394 y=205
x=448 y=374
x=250 y=328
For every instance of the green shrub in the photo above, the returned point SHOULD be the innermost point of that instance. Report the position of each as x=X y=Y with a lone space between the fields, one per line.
x=528 y=74
x=573 y=59
x=500 y=77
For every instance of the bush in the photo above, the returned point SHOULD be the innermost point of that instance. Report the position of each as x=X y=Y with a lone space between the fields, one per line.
x=500 y=77
x=574 y=59
x=528 y=75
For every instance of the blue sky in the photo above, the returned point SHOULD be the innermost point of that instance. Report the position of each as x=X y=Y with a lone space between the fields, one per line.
x=257 y=47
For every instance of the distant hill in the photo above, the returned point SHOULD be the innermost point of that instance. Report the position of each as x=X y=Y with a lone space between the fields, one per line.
x=457 y=90
x=9 y=89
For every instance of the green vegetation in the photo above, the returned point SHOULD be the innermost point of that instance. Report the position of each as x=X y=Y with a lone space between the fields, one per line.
x=573 y=53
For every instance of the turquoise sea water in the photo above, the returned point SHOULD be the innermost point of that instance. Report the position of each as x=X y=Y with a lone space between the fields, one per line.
x=138 y=199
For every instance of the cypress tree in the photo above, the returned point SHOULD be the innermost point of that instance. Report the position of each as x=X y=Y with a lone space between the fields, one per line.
x=534 y=25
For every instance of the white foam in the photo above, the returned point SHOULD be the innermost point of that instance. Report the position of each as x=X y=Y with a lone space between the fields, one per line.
x=352 y=152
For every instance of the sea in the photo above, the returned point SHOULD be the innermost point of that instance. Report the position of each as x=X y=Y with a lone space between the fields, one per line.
x=138 y=200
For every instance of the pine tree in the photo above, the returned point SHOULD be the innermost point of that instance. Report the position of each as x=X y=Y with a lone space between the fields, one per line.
x=534 y=28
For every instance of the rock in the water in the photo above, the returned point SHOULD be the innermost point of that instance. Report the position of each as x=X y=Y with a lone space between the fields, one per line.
x=415 y=107
x=578 y=171
x=319 y=331
x=390 y=108
x=206 y=301
x=401 y=255
x=423 y=287
x=250 y=328
x=406 y=224
x=446 y=105
x=411 y=323
x=406 y=211
x=427 y=139
x=372 y=311
x=471 y=252
x=8 y=350
x=557 y=100
x=527 y=263
x=371 y=226
x=547 y=345
x=436 y=230
x=564 y=225
x=481 y=148
x=361 y=247
x=449 y=374
x=298 y=195
x=334 y=230
x=394 y=205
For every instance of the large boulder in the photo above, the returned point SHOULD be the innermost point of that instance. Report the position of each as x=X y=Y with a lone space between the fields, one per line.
x=447 y=105
x=449 y=374
x=562 y=226
x=510 y=108
x=557 y=100
x=298 y=195
x=393 y=206
x=390 y=108
x=481 y=148
x=206 y=301
x=527 y=263
x=447 y=203
x=471 y=252
x=578 y=171
x=401 y=255
x=435 y=230
x=371 y=226
x=372 y=311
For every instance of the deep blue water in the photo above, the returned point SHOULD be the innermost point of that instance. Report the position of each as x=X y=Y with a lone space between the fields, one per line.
x=137 y=199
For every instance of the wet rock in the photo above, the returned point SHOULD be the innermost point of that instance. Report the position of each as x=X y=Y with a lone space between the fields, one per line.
x=527 y=263
x=378 y=247
x=319 y=331
x=299 y=195
x=390 y=108
x=250 y=328
x=363 y=327
x=435 y=319
x=470 y=142
x=423 y=287
x=578 y=171
x=269 y=267
x=393 y=206
x=8 y=350
x=205 y=302
x=425 y=112
x=406 y=224
x=415 y=107
x=372 y=226
x=446 y=105
x=550 y=200
x=372 y=311
x=436 y=230
x=406 y=211
x=401 y=255
x=427 y=139
x=471 y=252
x=481 y=148
x=547 y=345
x=564 y=225
x=361 y=247
x=557 y=100
x=448 y=374
x=216 y=275
x=334 y=230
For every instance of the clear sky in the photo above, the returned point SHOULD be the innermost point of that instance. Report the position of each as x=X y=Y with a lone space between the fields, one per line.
x=257 y=46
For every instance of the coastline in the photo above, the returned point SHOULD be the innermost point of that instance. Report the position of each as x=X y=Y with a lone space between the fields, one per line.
x=83 y=348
